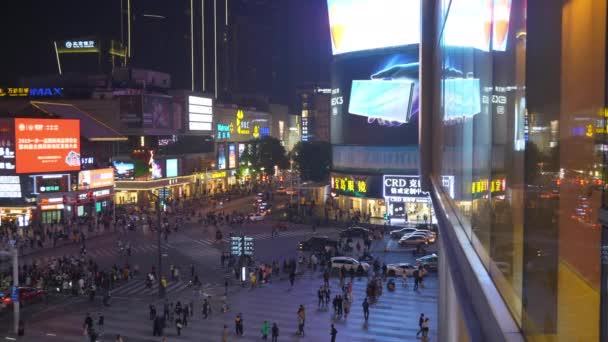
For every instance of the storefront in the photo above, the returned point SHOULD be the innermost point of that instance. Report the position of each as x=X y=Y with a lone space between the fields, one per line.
x=354 y=194
x=134 y=192
x=19 y=216
x=405 y=199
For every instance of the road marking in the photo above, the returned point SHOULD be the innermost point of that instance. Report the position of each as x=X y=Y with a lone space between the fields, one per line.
x=50 y=334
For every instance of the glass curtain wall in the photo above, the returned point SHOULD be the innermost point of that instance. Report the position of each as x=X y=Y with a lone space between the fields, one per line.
x=520 y=127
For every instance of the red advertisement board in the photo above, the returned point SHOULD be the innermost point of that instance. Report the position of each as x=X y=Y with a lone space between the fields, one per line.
x=47 y=145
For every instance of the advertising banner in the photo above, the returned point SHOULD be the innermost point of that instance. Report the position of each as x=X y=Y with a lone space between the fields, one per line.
x=7 y=146
x=374 y=99
x=123 y=170
x=171 y=168
x=357 y=185
x=10 y=187
x=402 y=186
x=47 y=145
x=131 y=111
x=221 y=156
x=357 y=25
x=232 y=156
x=92 y=179
x=157 y=111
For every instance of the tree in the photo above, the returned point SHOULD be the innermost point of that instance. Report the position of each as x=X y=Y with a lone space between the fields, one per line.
x=261 y=156
x=313 y=160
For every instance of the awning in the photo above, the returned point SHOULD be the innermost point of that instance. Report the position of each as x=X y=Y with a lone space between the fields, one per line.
x=90 y=128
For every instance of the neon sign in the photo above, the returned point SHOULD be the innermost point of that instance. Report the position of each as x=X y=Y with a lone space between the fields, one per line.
x=31 y=92
x=483 y=185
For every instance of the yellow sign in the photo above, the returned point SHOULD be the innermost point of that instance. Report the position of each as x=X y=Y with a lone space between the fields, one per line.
x=256 y=131
x=242 y=126
x=218 y=174
x=483 y=185
x=349 y=185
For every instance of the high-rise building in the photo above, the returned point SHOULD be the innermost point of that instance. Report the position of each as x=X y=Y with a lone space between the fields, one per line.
x=513 y=112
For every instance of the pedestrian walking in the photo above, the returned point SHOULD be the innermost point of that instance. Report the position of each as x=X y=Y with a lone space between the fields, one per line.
x=301 y=320
x=346 y=305
x=416 y=279
x=185 y=314
x=178 y=326
x=265 y=330
x=320 y=295
x=88 y=323
x=425 y=328
x=275 y=332
x=238 y=325
x=292 y=277
x=225 y=334
x=365 y=309
x=333 y=333
x=420 y=321
x=118 y=338
x=100 y=323
x=205 y=308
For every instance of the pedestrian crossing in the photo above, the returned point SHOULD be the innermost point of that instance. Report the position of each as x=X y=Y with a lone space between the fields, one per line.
x=393 y=318
x=113 y=251
x=138 y=288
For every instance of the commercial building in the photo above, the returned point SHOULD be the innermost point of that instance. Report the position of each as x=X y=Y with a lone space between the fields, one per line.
x=374 y=112
x=314 y=109
x=513 y=109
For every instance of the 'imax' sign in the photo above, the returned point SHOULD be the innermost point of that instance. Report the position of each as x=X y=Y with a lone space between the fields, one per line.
x=30 y=92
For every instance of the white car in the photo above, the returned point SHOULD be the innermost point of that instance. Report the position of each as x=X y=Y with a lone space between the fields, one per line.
x=256 y=216
x=348 y=263
x=413 y=240
x=429 y=236
x=400 y=268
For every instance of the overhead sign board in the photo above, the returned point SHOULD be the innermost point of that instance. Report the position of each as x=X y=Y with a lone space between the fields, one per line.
x=47 y=145
x=92 y=179
x=200 y=113
x=10 y=187
x=402 y=186
x=78 y=46
x=242 y=245
x=12 y=92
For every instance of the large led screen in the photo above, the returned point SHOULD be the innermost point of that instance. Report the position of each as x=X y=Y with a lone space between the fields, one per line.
x=357 y=25
x=47 y=145
x=221 y=156
x=123 y=170
x=374 y=99
x=232 y=156
x=171 y=167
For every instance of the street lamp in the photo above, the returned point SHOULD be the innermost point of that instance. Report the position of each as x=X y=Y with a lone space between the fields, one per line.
x=161 y=290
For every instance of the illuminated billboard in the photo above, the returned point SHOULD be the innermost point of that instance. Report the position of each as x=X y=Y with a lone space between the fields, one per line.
x=478 y=24
x=123 y=170
x=221 y=156
x=171 y=168
x=231 y=156
x=10 y=187
x=7 y=146
x=92 y=179
x=357 y=25
x=374 y=99
x=200 y=113
x=47 y=145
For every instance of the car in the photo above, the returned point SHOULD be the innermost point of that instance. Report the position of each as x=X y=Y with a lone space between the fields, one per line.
x=348 y=263
x=413 y=240
x=429 y=262
x=430 y=238
x=355 y=232
x=265 y=207
x=317 y=244
x=398 y=234
x=257 y=216
x=400 y=268
x=26 y=295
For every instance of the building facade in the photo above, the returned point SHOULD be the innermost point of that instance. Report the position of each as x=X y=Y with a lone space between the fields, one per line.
x=513 y=109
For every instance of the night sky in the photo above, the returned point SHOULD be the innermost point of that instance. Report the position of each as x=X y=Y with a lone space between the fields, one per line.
x=29 y=28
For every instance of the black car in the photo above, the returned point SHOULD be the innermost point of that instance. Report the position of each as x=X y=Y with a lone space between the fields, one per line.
x=355 y=232
x=317 y=244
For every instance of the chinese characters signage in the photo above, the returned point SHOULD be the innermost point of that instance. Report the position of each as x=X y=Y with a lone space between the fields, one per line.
x=47 y=145
x=11 y=92
x=10 y=187
x=484 y=185
x=224 y=131
x=402 y=186
x=241 y=245
x=356 y=185
x=7 y=146
x=92 y=179
x=77 y=45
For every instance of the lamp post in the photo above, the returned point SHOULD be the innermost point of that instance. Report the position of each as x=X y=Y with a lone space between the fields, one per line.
x=161 y=290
